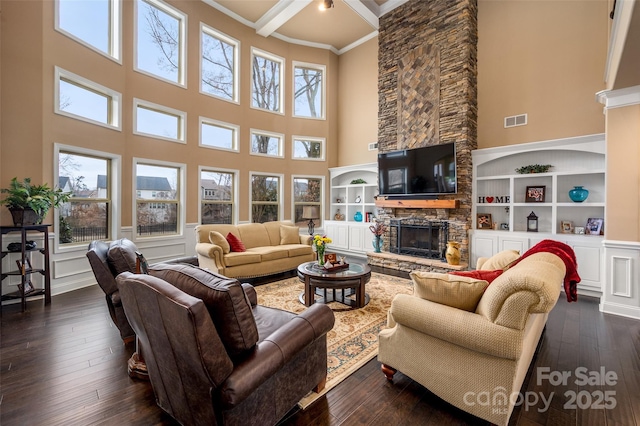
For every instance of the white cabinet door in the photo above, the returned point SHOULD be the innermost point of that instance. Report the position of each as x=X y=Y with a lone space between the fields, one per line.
x=339 y=234
x=589 y=266
x=514 y=243
x=368 y=240
x=482 y=245
x=356 y=238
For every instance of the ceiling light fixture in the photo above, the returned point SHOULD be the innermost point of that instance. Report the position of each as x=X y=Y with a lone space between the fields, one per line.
x=326 y=4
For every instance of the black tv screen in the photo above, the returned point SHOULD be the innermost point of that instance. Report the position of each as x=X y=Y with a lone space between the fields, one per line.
x=423 y=171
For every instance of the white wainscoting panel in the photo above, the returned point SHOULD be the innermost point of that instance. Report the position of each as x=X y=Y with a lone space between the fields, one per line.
x=621 y=290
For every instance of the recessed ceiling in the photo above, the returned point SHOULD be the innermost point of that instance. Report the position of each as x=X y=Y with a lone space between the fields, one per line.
x=344 y=26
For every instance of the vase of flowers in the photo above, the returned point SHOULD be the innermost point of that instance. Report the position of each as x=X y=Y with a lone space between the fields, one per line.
x=319 y=244
x=378 y=231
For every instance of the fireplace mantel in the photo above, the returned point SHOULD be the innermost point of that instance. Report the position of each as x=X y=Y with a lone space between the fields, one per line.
x=418 y=204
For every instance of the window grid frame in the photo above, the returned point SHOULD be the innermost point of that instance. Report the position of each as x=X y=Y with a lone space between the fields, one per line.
x=279 y=203
x=323 y=99
x=218 y=123
x=279 y=136
x=181 y=115
x=115 y=32
x=321 y=140
x=182 y=48
x=114 y=98
x=212 y=32
x=274 y=58
x=234 y=193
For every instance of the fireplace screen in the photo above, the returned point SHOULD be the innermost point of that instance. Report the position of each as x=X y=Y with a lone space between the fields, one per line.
x=424 y=238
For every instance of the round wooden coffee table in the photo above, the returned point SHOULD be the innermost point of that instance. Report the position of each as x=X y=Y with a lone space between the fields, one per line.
x=336 y=286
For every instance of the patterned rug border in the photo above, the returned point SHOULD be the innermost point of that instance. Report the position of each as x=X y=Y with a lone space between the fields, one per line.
x=354 y=339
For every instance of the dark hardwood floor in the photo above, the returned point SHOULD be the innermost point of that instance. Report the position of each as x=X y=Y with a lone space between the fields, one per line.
x=64 y=364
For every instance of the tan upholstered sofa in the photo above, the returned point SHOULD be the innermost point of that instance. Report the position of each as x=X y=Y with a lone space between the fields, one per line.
x=271 y=248
x=470 y=354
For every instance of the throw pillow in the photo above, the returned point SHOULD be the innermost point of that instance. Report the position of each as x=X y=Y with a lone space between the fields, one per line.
x=289 y=235
x=234 y=243
x=488 y=276
x=224 y=298
x=218 y=239
x=143 y=264
x=455 y=291
x=501 y=260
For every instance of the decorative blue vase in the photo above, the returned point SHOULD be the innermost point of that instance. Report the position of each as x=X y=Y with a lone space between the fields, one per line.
x=578 y=194
x=357 y=217
x=377 y=244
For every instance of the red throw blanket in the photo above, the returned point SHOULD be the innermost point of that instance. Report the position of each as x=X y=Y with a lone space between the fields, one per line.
x=564 y=252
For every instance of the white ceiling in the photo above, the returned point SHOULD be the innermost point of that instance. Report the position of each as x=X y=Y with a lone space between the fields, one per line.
x=339 y=29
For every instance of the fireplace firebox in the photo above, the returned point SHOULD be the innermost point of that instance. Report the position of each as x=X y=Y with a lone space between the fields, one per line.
x=421 y=238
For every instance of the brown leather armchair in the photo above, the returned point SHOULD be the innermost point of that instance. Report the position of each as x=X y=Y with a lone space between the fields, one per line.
x=216 y=356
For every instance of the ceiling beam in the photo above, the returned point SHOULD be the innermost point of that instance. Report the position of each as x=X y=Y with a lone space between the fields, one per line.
x=364 y=12
x=278 y=15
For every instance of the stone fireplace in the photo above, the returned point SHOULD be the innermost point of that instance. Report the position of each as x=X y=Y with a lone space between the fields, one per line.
x=427 y=96
x=421 y=238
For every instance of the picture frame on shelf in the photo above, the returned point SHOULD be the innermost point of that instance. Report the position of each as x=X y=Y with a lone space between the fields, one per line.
x=594 y=226
x=566 y=226
x=578 y=230
x=535 y=194
x=483 y=221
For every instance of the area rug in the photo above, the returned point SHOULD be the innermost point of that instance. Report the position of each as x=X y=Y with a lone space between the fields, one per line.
x=353 y=341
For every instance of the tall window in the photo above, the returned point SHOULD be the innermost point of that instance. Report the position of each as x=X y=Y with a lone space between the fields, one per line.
x=161 y=41
x=95 y=24
x=266 y=195
x=307 y=192
x=159 y=121
x=307 y=148
x=218 y=64
x=218 y=196
x=157 y=199
x=267 y=75
x=87 y=215
x=82 y=99
x=267 y=143
x=308 y=90
x=218 y=134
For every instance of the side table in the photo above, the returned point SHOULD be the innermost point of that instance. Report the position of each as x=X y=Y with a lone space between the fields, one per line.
x=24 y=269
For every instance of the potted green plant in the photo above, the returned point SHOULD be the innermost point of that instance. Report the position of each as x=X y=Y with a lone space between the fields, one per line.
x=30 y=203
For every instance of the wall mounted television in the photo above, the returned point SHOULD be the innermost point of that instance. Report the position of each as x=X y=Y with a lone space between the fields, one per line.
x=418 y=173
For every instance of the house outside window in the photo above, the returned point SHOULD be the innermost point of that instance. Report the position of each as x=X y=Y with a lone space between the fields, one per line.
x=267 y=75
x=161 y=40
x=158 y=210
x=88 y=214
x=218 y=195
x=219 y=64
x=309 y=91
x=266 y=197
x=307 y=192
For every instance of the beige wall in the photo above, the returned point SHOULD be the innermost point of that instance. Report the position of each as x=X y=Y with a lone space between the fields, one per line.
x=358 y=104
x=622 y=221
x=31 y=128
x=542 y=58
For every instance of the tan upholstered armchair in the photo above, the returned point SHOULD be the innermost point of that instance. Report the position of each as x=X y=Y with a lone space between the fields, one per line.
x=481 y=346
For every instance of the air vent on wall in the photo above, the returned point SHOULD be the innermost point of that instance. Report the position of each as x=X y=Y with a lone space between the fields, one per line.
x=515 y=120
x=373 y=146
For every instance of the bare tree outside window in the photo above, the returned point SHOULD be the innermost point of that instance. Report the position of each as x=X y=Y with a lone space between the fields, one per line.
x=86 y=216
x=159 y=48
x=306 y=192
x=218 y=66
x=308 y=148
x=265 y=198
x=266 y=83
x=308 y=92
x=266 y=144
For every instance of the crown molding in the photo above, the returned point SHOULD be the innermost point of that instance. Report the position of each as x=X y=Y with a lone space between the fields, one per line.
x=619 y=98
